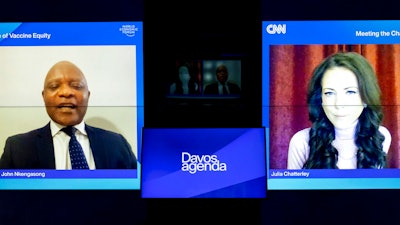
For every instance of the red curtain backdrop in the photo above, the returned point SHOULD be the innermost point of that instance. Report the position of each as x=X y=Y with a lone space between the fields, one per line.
x=290 y=70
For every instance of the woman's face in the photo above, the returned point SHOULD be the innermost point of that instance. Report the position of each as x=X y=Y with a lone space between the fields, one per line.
x=184 y=74
x=341 y=100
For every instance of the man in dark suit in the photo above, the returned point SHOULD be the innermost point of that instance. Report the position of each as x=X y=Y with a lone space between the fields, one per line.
x=222 y=86
x=66 y=97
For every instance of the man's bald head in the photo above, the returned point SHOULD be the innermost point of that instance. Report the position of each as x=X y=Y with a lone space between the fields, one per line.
x=65 y=93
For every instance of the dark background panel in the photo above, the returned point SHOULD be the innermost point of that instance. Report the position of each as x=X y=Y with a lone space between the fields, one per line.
x=63 y=207
x=202 y=30
x=73 y=10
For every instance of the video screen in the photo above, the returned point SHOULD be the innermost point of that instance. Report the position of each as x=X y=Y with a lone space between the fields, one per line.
x=329 y=104
x=36 y=70
x=203 y=163
x=199 y=83
x=206 y=78
x=201 y=87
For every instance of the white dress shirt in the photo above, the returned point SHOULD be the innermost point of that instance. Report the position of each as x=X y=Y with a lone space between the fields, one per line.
x=60 y=143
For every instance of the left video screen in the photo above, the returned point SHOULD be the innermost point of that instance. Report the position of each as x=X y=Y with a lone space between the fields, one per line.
x=86 y=74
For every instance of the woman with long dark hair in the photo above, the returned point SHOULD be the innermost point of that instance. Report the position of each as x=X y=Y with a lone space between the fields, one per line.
x=184 y=83
x=344 y=105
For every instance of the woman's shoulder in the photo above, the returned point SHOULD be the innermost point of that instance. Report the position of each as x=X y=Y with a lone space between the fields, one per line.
x=301 y=135
x=384 y=131
x=172 y=88
x=388 y=138
x=299 y=149
x=303 y=132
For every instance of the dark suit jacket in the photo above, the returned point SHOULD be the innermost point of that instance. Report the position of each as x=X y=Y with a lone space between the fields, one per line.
x=34 y=150
x=213 y=89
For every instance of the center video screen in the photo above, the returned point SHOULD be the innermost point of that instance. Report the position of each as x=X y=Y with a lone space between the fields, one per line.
x=205 y=83
x=56 y=74
x=210 y=78
x=330 y=104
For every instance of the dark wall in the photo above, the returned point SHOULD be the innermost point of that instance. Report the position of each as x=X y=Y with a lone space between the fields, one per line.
x=201 y=30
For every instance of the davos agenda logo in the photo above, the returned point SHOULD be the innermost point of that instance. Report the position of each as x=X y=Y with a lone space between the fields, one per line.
x=276 y=29
x=194 y=163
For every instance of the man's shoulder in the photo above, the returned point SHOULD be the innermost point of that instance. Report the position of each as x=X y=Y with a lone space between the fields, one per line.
x=234 y=88
x=231 y=83
x=211 y=88
x=101 y=131
x=106 y=137
x=31 y=133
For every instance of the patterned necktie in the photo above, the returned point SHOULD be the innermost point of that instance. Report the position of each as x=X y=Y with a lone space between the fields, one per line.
x=78 y=159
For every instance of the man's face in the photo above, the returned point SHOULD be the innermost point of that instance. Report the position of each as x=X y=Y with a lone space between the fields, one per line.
x=222 y=74
x=66 y=94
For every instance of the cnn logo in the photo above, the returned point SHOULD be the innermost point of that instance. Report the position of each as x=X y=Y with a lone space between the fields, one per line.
x=276 y=29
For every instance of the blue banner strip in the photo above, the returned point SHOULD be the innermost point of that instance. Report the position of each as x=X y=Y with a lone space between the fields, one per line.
x=40 y=174
x=331 y=32
x=71 y=33
x=328 y=173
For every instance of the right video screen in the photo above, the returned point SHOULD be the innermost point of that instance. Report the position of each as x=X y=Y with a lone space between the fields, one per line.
x=330 y=103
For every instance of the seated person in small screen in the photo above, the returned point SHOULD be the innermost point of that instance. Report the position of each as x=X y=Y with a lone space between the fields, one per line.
x=184 y=82
x=66 y=96
x=222 y=86
x=344 y=105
